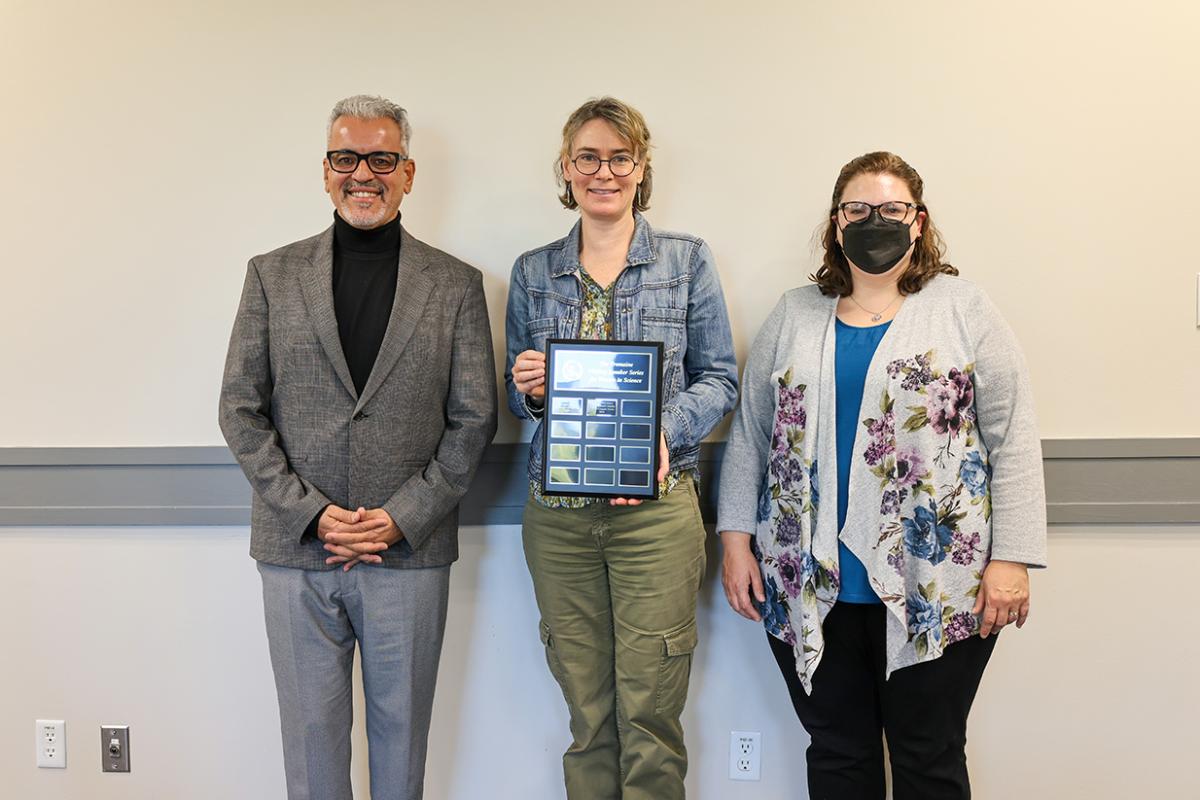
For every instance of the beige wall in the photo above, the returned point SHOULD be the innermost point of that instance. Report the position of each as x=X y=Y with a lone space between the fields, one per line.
x=171 y=141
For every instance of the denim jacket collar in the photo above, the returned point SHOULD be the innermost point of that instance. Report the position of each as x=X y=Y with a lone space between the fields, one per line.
x=641 y=248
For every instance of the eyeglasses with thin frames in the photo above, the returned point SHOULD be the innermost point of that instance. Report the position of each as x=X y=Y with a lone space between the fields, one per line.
x=621 y=166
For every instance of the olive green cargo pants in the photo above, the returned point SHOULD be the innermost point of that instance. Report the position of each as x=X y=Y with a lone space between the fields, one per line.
x=616 y=587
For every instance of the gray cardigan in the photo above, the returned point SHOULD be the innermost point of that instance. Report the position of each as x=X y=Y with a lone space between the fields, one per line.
x=947 y=470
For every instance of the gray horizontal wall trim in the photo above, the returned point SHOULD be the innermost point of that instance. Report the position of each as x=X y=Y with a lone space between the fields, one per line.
x=1088 y=481
x=1121 y=448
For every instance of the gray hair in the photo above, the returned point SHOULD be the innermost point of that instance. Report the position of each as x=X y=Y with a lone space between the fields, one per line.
x=371 y=106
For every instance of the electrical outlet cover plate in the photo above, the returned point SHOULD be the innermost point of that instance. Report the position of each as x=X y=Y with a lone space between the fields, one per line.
x=745 y=755
x=51 y=740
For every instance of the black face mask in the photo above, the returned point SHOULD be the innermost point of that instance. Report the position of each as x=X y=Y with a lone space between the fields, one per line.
x=875 y=245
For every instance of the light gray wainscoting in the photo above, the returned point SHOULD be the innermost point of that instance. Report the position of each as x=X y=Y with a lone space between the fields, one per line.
x=1088 y=481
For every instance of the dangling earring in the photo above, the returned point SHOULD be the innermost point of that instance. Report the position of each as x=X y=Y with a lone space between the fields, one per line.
x=570 y=194
x=637 y=196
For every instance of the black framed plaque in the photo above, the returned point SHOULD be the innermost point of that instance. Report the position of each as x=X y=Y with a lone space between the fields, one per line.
x=602 y=419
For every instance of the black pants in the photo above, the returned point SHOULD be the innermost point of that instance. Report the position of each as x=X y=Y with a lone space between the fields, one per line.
x=922 y=709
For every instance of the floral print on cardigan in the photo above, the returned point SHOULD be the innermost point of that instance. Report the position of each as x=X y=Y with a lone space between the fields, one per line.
x=947 y=426
x=934 y=507
x=799 y=586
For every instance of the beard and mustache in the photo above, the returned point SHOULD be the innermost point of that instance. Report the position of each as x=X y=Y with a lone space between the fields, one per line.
x=360 y=217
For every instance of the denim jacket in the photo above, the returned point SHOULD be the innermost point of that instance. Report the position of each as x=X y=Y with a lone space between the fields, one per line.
x=669 y=292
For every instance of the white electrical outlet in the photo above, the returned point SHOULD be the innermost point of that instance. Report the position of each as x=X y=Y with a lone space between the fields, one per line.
x=745 y=755
x=51 y=741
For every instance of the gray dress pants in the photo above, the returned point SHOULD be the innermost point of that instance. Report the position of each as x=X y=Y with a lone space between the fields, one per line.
x=314 y=618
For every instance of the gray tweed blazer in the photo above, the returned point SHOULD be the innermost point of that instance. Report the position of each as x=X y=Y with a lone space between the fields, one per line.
x=305 y=438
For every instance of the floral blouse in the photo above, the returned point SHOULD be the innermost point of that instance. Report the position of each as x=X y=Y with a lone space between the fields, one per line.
x=947 y=471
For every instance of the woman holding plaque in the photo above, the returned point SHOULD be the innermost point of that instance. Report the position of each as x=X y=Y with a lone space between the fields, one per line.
x=883 y=576
x=616 y=578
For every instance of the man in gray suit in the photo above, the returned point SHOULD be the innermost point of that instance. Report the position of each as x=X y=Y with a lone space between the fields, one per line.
x=359 y=395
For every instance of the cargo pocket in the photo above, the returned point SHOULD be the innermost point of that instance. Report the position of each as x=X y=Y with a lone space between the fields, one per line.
x=675 y=670
x=553 y=661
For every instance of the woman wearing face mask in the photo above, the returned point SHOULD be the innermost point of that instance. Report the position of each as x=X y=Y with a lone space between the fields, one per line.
x=881 y=494
x=616 y=581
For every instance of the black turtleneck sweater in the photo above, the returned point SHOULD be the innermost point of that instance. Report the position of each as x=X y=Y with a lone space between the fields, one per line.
x=365 y=263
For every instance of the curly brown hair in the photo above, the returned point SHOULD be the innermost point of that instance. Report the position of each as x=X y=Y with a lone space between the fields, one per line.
x=928 y=257
x=629 y=124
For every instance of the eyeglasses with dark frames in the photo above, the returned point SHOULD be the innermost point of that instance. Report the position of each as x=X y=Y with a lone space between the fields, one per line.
x=621 y=166
x=892 y=211
x=381 y=162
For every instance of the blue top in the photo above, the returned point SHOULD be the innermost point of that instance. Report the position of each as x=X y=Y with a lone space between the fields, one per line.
x=854 y=350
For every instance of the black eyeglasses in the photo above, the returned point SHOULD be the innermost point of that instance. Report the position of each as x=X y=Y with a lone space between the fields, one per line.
x=381 y=162
x=589 y=164
x=892 y=211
